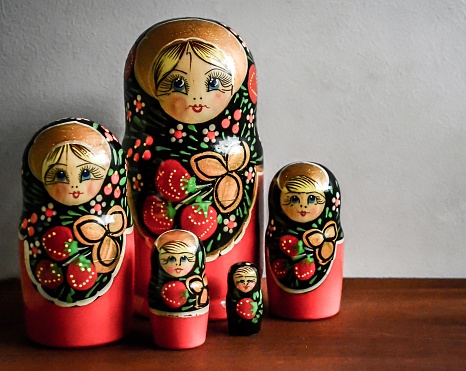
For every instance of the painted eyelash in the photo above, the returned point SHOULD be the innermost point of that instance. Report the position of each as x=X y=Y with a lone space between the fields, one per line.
x=225 y=79
x=319 y=199
x=166 y=85
x=95 y=171
x=49 y=177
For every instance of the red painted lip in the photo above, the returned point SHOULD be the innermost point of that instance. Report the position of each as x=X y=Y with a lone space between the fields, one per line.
x=303 y=213
x=197 y=108
x=76 y=194
x=178 y=270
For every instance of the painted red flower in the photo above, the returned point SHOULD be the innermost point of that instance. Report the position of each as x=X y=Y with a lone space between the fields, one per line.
x=252 y=84
x=28 y=224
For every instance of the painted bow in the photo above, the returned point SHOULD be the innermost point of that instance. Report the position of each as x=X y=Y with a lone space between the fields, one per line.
x=101 y=233
x=322 y=241
x=211 y=166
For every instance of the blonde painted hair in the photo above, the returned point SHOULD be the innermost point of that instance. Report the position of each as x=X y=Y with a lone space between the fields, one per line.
x=79 y=150
x=169 y=57
x=177 y=247
x=244 y=271
x=301 y=183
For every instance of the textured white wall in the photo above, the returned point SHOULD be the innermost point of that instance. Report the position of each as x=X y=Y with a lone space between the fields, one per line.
x=375 y=90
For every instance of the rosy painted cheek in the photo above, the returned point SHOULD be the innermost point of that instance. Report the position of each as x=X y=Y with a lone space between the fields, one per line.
x=242 y=288
x=59 y=192
x=91 y=189
x=170 y=270
x=176 y=107
x=218 y=101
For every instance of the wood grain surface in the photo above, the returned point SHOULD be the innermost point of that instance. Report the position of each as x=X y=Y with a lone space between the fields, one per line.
x=394 y=324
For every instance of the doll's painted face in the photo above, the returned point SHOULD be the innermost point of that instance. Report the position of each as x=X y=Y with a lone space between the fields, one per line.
x=198 y=87
x=73 y=174
x=245 y=279
x=300 y=199
x=176 y=258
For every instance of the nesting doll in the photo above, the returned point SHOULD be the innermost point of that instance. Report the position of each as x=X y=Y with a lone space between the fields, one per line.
x=304 y=243
x=245 y=307
x=195 y=158
x=76 y=243
x=178 y=291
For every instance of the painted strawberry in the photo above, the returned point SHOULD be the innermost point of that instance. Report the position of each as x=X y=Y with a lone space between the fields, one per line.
x=58 y=243
x=280 y=268
x=199 y=218
x=173 y=181
x=291 y=246
x=81 y=274
x=49 y=274
x=246 y=308
x=174 y=294
x=157 y=215
x=304 y=269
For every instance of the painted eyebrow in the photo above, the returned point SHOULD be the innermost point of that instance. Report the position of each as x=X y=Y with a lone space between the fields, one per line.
x=181 y=71
x=58 y=164
x=90 y=163
x=54 y=165
x=218 y=69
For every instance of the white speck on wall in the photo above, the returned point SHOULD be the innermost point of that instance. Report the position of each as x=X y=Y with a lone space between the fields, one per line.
x=374 y=90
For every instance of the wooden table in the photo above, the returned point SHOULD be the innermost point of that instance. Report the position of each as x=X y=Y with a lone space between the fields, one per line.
x=383 y=324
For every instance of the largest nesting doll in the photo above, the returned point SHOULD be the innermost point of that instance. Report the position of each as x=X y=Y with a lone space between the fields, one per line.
x=76 y=245
x=195 y=158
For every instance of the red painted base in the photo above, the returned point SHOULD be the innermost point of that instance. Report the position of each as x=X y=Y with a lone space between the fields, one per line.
x=179 y=332
x=217 y=271
x=323 y=302
x=103 y=321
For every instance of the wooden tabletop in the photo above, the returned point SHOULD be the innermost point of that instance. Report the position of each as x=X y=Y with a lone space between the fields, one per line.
x=383 y=324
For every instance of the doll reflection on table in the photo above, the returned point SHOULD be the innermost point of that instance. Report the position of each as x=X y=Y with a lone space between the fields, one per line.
x=244 y=299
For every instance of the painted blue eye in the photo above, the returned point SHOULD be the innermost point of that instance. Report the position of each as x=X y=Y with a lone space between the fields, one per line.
x=214 y=84
x=183 y=259
x=85 y=175
x=172 y=259
x=311 y=199
x=179 y=85
x=294 y=199
x=60 y=176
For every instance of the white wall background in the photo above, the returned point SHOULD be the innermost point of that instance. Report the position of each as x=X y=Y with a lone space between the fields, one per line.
x=375 y=90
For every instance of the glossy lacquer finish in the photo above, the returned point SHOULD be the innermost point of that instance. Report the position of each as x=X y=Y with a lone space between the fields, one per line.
x=178 y=291
x=304 y=243
x=76 y=242
x=195 y=158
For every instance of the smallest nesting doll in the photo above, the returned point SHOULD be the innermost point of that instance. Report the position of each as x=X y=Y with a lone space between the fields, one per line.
x=178 y=292
x=244 y=302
